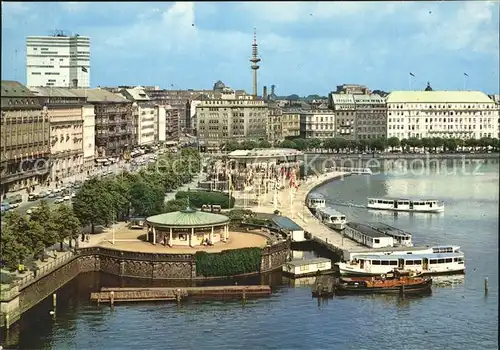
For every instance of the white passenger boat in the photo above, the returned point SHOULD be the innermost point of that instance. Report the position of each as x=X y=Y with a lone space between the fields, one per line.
x=427 y=264
x=332 y=218
x=411 y=205
x=401 y=238
x=353 y=254
x=356 y=171
x=315 y=201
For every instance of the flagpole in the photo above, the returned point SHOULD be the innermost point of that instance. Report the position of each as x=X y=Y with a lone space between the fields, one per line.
x=465 y=81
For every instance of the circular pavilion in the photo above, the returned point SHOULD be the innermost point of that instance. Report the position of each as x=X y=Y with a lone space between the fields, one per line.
x=188 y=227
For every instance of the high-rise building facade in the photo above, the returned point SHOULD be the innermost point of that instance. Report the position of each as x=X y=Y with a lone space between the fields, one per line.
x=58 y=61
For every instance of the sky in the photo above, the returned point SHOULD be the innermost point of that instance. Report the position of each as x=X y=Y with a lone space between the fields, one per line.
x=305 y=47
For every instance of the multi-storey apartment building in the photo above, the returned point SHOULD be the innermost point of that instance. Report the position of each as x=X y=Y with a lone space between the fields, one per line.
x=274 y=124
x=457 y=114
x=219 y=121
x=88 y=116
x=66 y=130
x=317 y=123
x=58 y=61
x=143 y=113
x=114 y=125
x=344 y=107
x=371 y=117
x=25 y=139
x=160 y=124
x=290 y=122
x=172 y=122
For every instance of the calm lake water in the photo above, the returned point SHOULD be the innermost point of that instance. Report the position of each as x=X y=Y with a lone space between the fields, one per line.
x=458 y=314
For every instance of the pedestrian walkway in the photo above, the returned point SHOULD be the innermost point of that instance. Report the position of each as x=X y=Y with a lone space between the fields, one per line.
x=192 y=186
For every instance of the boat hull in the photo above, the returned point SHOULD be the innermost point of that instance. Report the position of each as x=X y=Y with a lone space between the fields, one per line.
x=420 y=288
x=436 y=210
x=363 y=273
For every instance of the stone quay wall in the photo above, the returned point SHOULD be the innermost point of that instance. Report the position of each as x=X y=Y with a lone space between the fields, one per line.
x=20 y=298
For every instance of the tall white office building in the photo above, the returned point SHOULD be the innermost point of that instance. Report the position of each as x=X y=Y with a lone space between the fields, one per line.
x=58 y=61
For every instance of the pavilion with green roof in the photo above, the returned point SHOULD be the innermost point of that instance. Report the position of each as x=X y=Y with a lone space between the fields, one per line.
x=188 y=227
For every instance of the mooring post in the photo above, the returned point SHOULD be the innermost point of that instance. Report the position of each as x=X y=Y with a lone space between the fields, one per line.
x=112 y=298
x=243 y=296
x=54 y=300
x=7 y=321
x=178 y=296
x=485 y=285
x=402 y=290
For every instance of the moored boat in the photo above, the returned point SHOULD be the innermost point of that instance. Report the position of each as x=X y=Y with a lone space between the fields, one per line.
x=410 y=205
x=426 y=264
x=332 y=218
x=315 y=201
x=392 y=283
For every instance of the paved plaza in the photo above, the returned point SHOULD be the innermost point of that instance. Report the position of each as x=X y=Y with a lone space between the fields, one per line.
x=135 y=240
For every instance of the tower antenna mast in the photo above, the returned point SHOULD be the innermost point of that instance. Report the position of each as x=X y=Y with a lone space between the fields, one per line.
x=255 y=60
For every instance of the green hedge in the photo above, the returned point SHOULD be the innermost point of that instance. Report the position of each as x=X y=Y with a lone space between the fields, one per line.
x=228 y=262
x=198 y=198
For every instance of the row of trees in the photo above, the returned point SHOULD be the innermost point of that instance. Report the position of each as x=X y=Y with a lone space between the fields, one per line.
x=379 y=144
x=100 y=201
x=25 y=237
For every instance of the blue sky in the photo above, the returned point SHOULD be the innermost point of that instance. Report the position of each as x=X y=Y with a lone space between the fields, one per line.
x=305 y=48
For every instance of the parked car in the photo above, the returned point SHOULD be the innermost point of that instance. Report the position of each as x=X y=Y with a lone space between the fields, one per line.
x=66 y=198
x=59 y=200
x=32 y=197
x=52 y=195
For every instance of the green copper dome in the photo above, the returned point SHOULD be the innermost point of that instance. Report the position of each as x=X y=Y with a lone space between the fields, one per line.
x=187 y=218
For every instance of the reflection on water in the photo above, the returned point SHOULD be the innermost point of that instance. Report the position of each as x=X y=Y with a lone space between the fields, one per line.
x=451 y=281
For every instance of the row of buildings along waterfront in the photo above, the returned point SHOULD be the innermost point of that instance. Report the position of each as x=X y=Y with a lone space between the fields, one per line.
x=49 y=133
x=352 y=112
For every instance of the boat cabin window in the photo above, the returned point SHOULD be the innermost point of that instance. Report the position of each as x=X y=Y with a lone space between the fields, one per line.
x=321 y=265
x=417 y=262
x=342 y=218
x=384 y=262
x=377 y=240
x=441 y=261
x=433 y=261
x=394 y=263
x=371 y=201
x=442 y=250
x=448 y=260
x=375 y=262
x=304 y=268
x=458 y=259
x=409 y=262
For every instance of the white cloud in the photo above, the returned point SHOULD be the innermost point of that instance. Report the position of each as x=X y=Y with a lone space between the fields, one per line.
x=469 y=28
x=73 y=6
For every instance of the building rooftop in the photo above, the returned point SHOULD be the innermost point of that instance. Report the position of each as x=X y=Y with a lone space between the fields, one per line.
x=12 y=88
x=17 y=96
x=368 y=99
x=54 y=92
x=438 y=97
x=286 y=223
x=389 y=230
x=99 y=95
x=342 y=99
x=188 y=218
x=137 y=94
x=366 y=230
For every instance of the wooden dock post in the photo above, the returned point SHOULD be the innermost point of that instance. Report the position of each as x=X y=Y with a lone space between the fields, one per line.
x=178 y=295
x=486 y=285
x=243 y=296
x=402 y=290
x=7 y=321
x=112 y=298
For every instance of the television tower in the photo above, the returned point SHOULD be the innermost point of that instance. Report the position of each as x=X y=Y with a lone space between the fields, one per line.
x=255 y=60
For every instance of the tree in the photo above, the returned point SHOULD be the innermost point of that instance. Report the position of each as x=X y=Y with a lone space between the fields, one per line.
x=232 y=146
x=264 y=144
x=314 y=143
x=450 y=144
x=289 y=144
x=93 y=205
x=176 y=205
x=13 y=242
x=68 y=225
x=44 y=217
x=393 y=142
x=146 y=199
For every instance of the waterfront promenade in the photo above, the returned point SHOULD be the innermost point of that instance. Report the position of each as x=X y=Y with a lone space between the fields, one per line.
x=294 y=207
